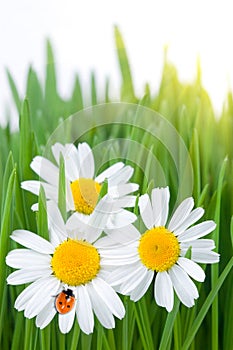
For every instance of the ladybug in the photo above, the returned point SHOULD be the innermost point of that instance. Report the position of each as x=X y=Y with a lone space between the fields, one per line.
x=65 y=301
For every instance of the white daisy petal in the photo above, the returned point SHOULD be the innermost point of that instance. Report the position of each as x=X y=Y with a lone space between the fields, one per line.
x=181 y=213
x=121 y=252
x=71 y=158
x=98 y=219
x=86 y=161
x=108 y=242
x=23 y=298
x=118 y=262
x=56 y=224
x=146 y=211
x=125 y=202
x=135 y=279
x=109 y=172
x=58 y=149
x=28 y=275
x=163 y=291
x=199 y=244
x=126 y=234
x=109 y=297
x=76 y=222
x=31 y=240
x=35 y=207
x=121 y=219
x=84 y=310
x=122 y=190
x=197 y=231
x=69 y=198
x=122 y=274
x=160 y=205
x=66 y=321
x=22 y=258
x=192 y=269
x=46 y=314
x=101 y=310
x=194 y=216
x=105 y=242
x=205 y=257
x=33 y=186
x=121 y=177
x=183 y=285
x=141 y=289
x=47 y=288
x=45 y=169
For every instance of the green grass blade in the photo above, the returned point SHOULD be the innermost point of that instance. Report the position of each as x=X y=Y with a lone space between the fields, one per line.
x=14 y=91
x=215 y=267
x=127 y=92
x=93 y=90
x=6 y=229
x=167 y=332
x=143 y=323
x=42 y=220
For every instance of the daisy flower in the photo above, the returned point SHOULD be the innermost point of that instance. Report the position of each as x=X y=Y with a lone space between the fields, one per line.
x=160 y=251
x=67 y=275
x=82 y=186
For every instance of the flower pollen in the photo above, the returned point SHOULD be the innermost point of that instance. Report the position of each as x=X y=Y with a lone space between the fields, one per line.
x=75 y=262
x=159 y=249
x=85 y=195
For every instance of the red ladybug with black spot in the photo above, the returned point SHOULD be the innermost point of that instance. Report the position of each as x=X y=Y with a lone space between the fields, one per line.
x=65 y=301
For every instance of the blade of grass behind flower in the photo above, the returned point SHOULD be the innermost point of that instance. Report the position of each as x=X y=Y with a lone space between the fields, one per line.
x=29 y=334
x=35 y=341
x=26 y=141
x=127 y=89
x=228 y=316
x=9 y=166
x=26 y=153
x=100 y=331
x=18 y=331
x=14 y=91
x=45 y=338
x=86 y=341
x=166 y=336
x=75 y=337
x=195 y=154
x=143 y=323
x=34 y=94
x=106 y=345
x=42 y=220
x=215 y=267
x=106 y=90
x=203 y=195
x=93 y=90
x=111 y=339
x=177 y=332
x=128 y=325
x=6 y=230
x=76 y=102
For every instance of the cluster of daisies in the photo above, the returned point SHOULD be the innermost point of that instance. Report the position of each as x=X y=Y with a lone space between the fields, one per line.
x=98 y=252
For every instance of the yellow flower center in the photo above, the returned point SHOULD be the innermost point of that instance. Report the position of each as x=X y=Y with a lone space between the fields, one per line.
x=159 y=249
x=85 y=195
x=75 y=262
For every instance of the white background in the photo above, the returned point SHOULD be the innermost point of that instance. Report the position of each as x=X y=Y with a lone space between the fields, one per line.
x=82 y=36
